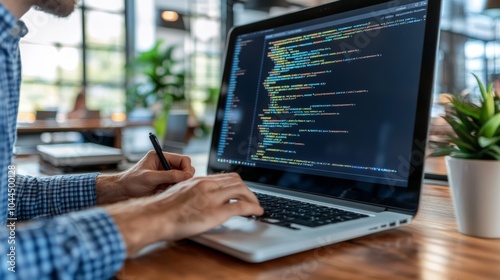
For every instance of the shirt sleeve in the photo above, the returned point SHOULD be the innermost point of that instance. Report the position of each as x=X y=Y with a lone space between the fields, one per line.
x=80 y=245
x=52 y=196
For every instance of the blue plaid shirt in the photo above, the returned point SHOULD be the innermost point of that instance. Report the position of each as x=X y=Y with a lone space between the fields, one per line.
x=57 y=243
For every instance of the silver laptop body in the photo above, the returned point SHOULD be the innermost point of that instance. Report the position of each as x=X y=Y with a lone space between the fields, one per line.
x=329 y=106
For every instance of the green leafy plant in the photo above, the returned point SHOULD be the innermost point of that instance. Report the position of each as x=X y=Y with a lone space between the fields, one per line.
x=159 y=78
x=476 y=127
x=210 y=102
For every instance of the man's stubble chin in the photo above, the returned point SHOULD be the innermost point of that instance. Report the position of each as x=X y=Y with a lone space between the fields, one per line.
x=61 y=8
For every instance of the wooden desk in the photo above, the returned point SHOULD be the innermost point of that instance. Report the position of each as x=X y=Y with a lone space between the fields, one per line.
x=78 y=125
x=430 y=248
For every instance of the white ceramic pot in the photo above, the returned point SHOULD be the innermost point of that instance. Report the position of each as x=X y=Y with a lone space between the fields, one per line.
x=475 y=190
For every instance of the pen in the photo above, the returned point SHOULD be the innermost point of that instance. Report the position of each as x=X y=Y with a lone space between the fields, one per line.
x=158 y=150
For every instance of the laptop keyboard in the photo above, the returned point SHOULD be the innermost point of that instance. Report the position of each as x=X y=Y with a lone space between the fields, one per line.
x=285 y=212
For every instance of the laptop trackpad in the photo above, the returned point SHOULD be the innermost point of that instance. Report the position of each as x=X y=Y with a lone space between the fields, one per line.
x=255 y=234
x=240 y=225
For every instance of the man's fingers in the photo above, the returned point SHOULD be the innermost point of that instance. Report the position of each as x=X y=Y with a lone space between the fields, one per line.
x=226 y=178
x=241 y=208
x=238 y=191
x=179 y=161
x=230 y=186
x=175 y=161
x=167 y=177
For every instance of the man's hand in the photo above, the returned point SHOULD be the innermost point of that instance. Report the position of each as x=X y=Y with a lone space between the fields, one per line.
x=185 y=209
x=145 y=178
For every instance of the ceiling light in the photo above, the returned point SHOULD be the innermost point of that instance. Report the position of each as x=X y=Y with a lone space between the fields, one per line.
x=169 y=16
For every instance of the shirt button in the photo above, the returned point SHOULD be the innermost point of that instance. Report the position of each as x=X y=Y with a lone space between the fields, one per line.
x=19 y=30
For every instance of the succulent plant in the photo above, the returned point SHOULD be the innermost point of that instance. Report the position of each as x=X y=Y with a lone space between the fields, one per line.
x=476 y=127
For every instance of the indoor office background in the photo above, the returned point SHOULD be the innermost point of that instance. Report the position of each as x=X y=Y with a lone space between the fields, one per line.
x=91 y=48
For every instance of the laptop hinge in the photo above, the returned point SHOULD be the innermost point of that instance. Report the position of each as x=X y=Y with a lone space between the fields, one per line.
x=401 y=211
x=340 y=202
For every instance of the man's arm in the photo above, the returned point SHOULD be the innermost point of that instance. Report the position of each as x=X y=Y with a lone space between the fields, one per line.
x=52 y=196
x=93 y=244
x=81 y=245
x=186 y=209
x=145 y=178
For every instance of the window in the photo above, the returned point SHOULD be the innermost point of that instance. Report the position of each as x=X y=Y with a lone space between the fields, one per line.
x=60 y=55
x=205 y=51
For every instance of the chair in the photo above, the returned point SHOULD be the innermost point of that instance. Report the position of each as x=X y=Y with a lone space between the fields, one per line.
x=45 y=115
x=92 y=114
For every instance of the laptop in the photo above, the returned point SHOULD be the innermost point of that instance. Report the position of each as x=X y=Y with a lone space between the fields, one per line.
x=324 y=113
x=79 y=154
x=174 y=141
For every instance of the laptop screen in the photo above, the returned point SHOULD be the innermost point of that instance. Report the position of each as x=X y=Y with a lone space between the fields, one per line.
x=329 y=93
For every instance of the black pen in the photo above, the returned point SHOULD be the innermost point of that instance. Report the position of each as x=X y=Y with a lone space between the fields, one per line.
x=159 y=152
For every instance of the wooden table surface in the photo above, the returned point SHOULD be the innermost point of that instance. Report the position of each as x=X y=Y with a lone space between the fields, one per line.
x=41 y=126
x=429 y=248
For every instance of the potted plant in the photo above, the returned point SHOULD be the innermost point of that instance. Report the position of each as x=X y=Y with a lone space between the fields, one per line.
x=159 y=83
x=473 y=162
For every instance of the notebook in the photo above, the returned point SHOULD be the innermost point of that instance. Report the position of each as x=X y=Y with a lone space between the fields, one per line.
x=324 y=113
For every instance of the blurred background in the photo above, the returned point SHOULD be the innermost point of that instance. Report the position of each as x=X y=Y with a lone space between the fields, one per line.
x=105 y=50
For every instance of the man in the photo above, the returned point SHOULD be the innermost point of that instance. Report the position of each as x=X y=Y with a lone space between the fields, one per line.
x=67 y=238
